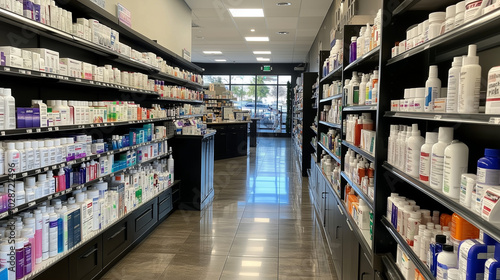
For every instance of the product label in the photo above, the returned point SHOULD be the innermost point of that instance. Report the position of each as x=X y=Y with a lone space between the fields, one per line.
x=411 y=159
x=424 y=166
x=442 y=271
x=451 y=179
x=437 y=163
x=488 y=176
x=489 y=201
x=451 y=99
x=470 y=84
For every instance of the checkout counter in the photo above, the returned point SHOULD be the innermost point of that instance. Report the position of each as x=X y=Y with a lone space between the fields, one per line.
x=231 y=139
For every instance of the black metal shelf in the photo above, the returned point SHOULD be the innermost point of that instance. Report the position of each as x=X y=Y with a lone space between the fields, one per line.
x=336 y=158
x=357 y=108
x=359 y=151
x=334 y=125
x=314 y=147
x=337 y=96
x=408 y=250
x=219 y=99
x=447 y=117
x=336 y=73
x=473 y=32
x=449 y=203
x=421 y=5
x=28 y=205
x=171 y=99
x=370 y=57
x=315 y=130
x=359 y=191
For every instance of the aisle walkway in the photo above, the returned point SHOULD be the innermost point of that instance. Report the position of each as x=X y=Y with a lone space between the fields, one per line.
x=260 y=226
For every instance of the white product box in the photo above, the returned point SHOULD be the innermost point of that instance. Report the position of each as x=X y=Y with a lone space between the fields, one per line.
x=36 y=61
x=11 y=51
x=95 y=31
x=106 y=36
x=86 y=71
x=74 y=67
x=13 y=61
x=125 y=78
x=440 y=105
x=105 y=76
x=135 y=55
x=63 y=69
x=27 y=63
x=99 y=74
x=114 y=39
x=50 y=58
x=83 y=21
x=117 y=76
x=26 y=54
x=54 y=15
x=69 y=21
x=125 y=50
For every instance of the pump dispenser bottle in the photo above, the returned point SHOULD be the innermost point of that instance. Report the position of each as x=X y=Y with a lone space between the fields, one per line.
x=470 y=83
x=437 y=157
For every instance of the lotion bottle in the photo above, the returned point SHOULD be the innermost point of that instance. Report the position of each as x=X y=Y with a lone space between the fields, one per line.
x=414 y=146
x=470 y=83
x=456 y=158
x=437 y=157
x=9 y=109
x=12 y=159
x=433 y=88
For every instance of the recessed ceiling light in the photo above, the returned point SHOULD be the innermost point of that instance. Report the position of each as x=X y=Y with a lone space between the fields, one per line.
x=212 y=52
x=252 y=30
x=247 y=12
x=220 y=60
x=283 y=32
x=200 y=37
x=263 y=59
x=262 y=52
x=283 y=4
x=257 y=39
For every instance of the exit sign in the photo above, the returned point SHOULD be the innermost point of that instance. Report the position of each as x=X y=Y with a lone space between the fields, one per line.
x=267 y=68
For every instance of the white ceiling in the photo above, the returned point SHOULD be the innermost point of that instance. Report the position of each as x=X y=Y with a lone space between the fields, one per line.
x=214 y=29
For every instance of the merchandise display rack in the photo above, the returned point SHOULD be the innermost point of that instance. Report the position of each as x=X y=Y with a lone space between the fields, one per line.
x=47 y=86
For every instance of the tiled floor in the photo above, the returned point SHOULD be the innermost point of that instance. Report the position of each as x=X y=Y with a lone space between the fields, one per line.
x=261 y=225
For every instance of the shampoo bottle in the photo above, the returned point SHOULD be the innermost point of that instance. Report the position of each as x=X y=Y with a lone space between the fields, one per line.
x=170 y=164
x=470 y=83
x=437 y=157
x=52 y=232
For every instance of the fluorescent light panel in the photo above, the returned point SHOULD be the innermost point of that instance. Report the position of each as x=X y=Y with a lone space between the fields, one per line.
x=220 y=60
x=247 y=12
x=257 y=39
x=212 y=52
x=262 y=52
x=263 y=59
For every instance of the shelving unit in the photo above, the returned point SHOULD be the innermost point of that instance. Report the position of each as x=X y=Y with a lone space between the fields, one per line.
x=27 y=85
x=214 y=105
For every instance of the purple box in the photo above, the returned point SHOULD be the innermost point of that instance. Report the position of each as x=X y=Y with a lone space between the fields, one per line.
x=2 y=59
x=21 y=117
x=36 y=117
x=28 y=122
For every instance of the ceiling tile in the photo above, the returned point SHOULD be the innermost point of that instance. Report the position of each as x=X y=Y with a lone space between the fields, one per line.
x=242 y=4
x=284 y=23
x=310 y=22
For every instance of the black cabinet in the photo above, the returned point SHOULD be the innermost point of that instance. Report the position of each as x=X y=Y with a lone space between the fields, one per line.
x=144 y=218
x=333 y=226
x=165 y=204
x=115 y=241
x=196 y=154
x=86 y=262
x=231 y=139
x=59 y=271
x=350 y=252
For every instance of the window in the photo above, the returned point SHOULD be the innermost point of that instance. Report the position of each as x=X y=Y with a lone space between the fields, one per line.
x=213 y=79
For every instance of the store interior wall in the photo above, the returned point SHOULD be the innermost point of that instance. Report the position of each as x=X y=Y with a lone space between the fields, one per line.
x=250 y=69
x=160 y=20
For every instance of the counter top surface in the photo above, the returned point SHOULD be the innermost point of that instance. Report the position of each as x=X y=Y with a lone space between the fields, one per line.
x=226 y=123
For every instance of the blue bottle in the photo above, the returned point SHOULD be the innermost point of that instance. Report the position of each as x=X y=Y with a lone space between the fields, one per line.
x=435 y=248
x=472 y=256
x=488 y=168
x=353 y=49
x=492 y=266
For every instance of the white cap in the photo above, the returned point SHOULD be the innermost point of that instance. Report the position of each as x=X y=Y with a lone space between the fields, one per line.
x=460 y=7
x=420 y=92
x=433 y=71
x=20 y=243
x=11 y=146
x=457 y=61
x=19 y=145
x=34 y=144
x=431 y=137
x=414 y=215
x=19 y=186
x=450 y=11
x=407 y=93
x=354 y=38
x=30 y=181
x=445 y=134
x=70 y=140
x=27 y=144
x=57 y=142
x=42 y=177
x=63 y=141
x=49 y=143
x=80 y=197
x=414 y=130
x=41 y=144
x=413 y=92
x=7 y=92
x=437 y=17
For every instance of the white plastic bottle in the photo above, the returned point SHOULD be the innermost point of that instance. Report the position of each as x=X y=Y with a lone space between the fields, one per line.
x=30 y=155
x=437 y=157
x=51 y=182
x=2 y=160
x=96 y=206
x=38 y=235
x=53 y=217
x=44 y=154
x=49 y=144
x=59 y=150
x=9 y=109
x=2 y=110
x=45 y=232
x=470 y=83
x=453 y=85
x=22 y=156
x=414 y=146
x=446 y=260
x=36 y=154
x=170 y=164
x=20 y=193
x=456 y=158
x=432 y=87
x=12 y=159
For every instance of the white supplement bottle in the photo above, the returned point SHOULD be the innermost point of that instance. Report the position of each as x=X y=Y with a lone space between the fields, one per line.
x=12 y=159
x=437 y=157
x=414 y=145
x=493 y=91
x=446 y=260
